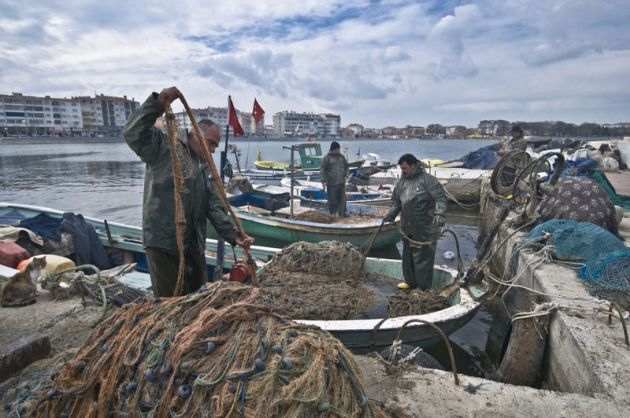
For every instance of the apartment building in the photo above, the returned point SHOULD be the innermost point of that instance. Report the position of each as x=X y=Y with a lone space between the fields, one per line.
x=37 y=116
x=219 y=115
x=288 y=123
x=78 y=116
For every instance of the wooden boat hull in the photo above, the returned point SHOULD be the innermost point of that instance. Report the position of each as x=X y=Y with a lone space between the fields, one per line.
x=125 y=242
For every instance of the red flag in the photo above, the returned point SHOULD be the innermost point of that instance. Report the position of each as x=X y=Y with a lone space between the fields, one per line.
x=258 y=111
x=233 y=120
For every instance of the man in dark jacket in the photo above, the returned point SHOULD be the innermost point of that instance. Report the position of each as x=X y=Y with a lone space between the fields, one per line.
x=200 y=200
x=420 y=199
x=334 y=169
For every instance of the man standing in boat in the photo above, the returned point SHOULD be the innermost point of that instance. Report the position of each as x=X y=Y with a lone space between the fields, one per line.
x=334 y=170
x=419 y=198
x=517 y=141
x=200 y=202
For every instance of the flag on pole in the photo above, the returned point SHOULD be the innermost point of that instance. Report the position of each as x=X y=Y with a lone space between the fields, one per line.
x=233 y=120
x=258 y=111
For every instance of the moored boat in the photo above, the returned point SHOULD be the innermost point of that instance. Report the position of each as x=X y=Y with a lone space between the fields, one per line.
x=124 y=244
x=462 y=184
x=278 y=229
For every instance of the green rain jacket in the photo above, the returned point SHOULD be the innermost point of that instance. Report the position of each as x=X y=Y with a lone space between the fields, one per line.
x=334 y=169
x=201 y=200
x=418 y=198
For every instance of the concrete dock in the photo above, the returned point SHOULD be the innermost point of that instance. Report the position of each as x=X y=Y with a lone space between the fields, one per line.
x=585 y=368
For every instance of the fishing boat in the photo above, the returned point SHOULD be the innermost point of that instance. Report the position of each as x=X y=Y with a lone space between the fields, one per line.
x=272 y=176
x=124 y=244
x=278 y=229
x=462 y=184
x=313 y=194
x=309 y=159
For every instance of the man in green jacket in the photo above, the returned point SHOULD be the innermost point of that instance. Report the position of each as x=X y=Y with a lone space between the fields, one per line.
x=420 y=199
x=199 y=201
x=334 y=169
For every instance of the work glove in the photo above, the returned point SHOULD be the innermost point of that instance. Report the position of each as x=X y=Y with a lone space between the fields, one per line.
x=439 y=220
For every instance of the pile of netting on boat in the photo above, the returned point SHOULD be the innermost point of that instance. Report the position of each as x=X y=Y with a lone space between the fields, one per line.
x=324 y=218
x=326 y=281
x=219 y=352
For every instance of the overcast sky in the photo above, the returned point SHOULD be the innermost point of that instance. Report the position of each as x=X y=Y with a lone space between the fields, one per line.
x=377 y=63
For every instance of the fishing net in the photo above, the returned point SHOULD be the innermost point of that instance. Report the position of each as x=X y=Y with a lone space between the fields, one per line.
x=571 y=240
x=317 y=281
x=326 y=281
x=324 y=218
x=316 y=216
x=218 y=352
x=416 y=302
x=609 y=271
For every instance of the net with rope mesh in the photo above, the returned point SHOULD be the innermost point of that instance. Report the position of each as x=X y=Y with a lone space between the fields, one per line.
x=221 y=351
x=606 y=259
x=326 y=281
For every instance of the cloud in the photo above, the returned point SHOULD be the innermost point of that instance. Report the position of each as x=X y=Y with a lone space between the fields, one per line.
x=377 y=62
x=449 y=33
x=262 y=68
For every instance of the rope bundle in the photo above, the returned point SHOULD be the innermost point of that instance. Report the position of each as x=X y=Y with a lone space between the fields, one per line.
x=218 y=352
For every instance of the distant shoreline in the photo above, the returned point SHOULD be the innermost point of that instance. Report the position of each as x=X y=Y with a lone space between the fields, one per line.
x=107 y=139
x=110 y=139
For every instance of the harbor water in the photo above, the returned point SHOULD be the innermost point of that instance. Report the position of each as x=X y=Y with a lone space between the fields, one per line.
x=103 y=178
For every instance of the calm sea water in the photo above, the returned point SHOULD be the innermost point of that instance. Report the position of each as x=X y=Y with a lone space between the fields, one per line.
x=104 y=178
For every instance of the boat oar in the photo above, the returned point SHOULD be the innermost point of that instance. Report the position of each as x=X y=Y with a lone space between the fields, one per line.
x=216 y=178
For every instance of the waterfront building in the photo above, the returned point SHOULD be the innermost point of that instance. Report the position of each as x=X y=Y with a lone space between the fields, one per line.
x=105 y=115
x=78 y=116
x=37 y=116
x=355 y=129
x=414 y=131
x=219 y=115
x=289 y=123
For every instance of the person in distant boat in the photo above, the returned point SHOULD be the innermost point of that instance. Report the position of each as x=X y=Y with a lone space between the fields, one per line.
x=419 y=198
x=334 y=170
x=199 y=202
x=516 y=141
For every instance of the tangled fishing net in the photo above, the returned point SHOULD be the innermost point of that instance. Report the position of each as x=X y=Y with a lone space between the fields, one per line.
x=324 y=218
x=326 y=281
x=415 y=302
x=317 y=281
x=219 y=352
x=315 y=216
x=571 y=241
x=608 y=276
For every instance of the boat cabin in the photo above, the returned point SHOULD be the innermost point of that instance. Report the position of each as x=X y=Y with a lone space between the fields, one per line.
x=310 y=155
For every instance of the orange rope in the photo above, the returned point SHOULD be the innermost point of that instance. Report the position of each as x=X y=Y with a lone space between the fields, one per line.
x=178 y=180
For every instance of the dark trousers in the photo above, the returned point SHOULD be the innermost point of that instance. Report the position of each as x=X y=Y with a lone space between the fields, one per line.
x=163 y=268
x=418 y=265
x=336 y=194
